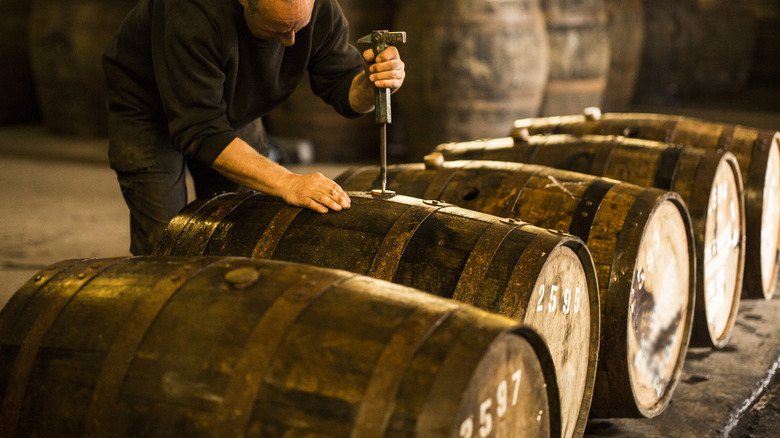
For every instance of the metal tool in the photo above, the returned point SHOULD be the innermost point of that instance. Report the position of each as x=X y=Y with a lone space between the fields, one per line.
x=380 y=39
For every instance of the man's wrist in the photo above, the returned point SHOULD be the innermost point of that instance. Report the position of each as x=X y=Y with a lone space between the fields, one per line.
x=361 y=94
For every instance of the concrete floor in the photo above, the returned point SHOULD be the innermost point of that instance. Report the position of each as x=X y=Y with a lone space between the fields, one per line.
x=59 y=200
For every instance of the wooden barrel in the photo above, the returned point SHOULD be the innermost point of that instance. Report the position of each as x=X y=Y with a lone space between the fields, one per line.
x=667 y=55
x=642 y=245
x=543 y=278
x=725 y=43
x=17 y=102
x=709 y=181
x=626 y=30
x=471 y=65
x=758 y=154
x=579 y=55
x=220 y=346
x=67 y=39
x=304 y=115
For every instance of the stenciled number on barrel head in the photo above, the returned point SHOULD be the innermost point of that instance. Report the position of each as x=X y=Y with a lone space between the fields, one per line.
x=552 y=300
x=485 y=415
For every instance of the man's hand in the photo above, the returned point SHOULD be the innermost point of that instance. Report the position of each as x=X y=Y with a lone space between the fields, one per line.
x=387 y=72
x=314 y=191
x=244 y=165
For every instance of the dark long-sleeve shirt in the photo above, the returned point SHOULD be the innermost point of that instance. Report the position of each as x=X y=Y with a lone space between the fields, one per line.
x=189 y=73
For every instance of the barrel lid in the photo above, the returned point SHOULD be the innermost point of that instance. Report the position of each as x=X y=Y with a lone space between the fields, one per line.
x=770 y=219
x=660 y=308
x=507 y=395
x=724 y=250
x=560 y=308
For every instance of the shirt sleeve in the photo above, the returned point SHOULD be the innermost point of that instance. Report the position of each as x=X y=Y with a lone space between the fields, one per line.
x=186 y=48
x=335 y=62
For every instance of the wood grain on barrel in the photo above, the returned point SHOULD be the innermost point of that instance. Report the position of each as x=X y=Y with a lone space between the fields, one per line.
x=620 y=223
x=239 y=347
x=433 y=246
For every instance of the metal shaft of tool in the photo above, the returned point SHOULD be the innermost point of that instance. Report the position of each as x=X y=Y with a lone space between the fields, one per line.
x=383 y=152
x=384 y=116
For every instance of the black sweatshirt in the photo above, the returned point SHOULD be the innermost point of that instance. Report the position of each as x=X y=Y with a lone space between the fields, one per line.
x=189 y=73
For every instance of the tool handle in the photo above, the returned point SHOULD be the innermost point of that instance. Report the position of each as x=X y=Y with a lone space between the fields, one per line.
x=380 y=40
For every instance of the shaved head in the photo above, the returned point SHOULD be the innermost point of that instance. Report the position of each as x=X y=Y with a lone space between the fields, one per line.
x=277 y=20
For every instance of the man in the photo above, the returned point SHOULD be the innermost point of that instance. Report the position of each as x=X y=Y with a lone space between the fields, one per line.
x=188 y=81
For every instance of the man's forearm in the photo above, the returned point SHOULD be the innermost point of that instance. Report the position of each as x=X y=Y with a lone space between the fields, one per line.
x=244 y=165
x=361 y=94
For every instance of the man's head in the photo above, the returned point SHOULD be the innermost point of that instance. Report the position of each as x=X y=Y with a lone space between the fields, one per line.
x=277 y=20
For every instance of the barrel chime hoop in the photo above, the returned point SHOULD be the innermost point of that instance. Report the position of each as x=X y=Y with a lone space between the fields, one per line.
x=374 y=412
x=439 y=183
x=20 y=299
x=759 y=154
x=667 y=168
x=516 y=295
x=479 y=261
x=22 y=367
x=588 y=205
x=268 y=241
x=392 y=248
x=250 y=369
x=198 y=246
x=726 y=139
x=122 y=352
x=167 y=243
